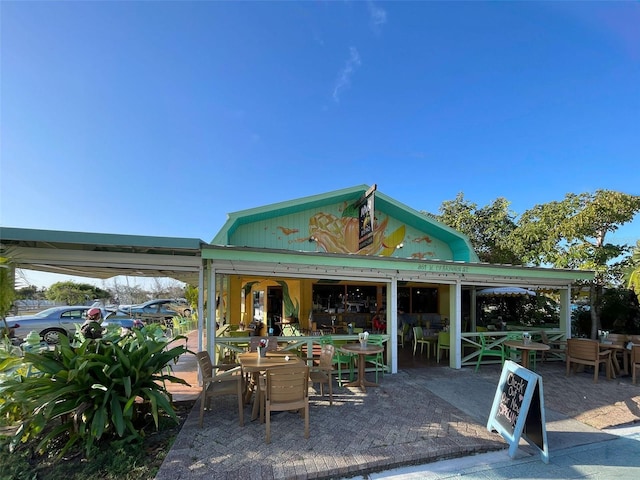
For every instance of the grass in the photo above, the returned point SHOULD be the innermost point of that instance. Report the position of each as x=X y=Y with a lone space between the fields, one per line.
x=110 y=462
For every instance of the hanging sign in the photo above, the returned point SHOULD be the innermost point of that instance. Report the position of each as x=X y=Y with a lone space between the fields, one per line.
x=365 y=219
x=518 y=409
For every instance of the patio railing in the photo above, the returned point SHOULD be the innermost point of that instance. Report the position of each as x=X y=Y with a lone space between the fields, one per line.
x=299 y=345
x=471 y=343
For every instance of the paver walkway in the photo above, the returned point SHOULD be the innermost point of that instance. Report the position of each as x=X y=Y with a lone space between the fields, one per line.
x=416 y=416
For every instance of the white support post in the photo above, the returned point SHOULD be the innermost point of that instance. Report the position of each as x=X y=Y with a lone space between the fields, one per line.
x=211 y=314
x=392 y=295
x=201 y=312
x=565 y=311
x=455 y=325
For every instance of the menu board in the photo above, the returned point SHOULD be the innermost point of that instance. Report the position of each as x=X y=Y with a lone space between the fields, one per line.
x=518 y=409
x=511 y=399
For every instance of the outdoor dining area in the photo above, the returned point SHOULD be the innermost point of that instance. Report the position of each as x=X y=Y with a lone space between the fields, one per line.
x=614 y=354
x=359 y=429
x=273 y=373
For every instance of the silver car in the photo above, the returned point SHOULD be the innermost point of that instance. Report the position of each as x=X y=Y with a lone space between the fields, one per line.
x=50 y=323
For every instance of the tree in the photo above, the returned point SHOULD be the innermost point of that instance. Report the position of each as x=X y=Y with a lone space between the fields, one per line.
x=487 y=227
x=572 y=234
x=632 y=273
x=30 y=293
x=167 y=288
x=73 y=293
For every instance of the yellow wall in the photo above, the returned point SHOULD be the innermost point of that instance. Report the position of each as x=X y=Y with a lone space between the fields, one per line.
x=444 y=301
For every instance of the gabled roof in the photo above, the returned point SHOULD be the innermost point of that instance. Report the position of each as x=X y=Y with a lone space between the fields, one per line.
x=459 y=243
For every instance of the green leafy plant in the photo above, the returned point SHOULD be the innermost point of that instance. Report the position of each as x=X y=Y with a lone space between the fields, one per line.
x=291 y=309
x=91 y=390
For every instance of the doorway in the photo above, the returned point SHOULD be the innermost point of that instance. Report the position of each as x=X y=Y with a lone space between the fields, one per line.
x=274 y=310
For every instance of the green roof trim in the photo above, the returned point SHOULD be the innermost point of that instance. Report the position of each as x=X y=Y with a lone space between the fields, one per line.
x=497 y=273
x=25 y=235
x=458 y=242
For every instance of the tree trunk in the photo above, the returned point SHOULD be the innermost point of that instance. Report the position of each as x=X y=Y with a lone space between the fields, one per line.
x=594 y=301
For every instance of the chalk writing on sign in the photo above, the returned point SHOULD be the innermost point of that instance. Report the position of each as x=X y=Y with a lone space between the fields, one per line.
x=511 y=401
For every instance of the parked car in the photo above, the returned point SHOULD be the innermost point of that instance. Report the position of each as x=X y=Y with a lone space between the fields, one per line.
x=157 y=310
x=122 y=320
x=49 y=323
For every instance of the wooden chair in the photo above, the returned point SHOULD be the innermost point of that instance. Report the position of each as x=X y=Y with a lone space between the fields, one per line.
x=323 y=372
x=635 y=361
x=287 y=388
x=619 y=355
x=556 y=347
x=444 y=343
x=418 y=339
x=228 y=382
x=489 y=351
x=584 y=351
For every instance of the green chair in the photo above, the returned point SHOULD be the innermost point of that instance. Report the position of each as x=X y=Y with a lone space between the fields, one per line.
x=239 y=346
x=418 y=339
x=402 y=333
x=486 y=351
x=339 y=358
x=376 y=359
x=181 y=325
x=444 y=343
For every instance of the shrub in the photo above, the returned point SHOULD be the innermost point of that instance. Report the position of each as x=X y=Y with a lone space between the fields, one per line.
x=86 y=390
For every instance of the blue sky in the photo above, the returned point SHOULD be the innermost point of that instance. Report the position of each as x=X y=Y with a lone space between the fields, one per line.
x=159 y=118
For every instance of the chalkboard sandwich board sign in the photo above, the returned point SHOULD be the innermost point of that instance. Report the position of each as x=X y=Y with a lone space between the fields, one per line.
x=518 y=409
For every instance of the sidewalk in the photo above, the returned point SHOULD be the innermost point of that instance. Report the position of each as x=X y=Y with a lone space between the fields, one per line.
x=430 y=416
x=615 y=458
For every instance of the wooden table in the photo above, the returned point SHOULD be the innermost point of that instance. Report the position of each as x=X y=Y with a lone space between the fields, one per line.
x=254 y=364
x=526 y=348
x=362 y=352
x=615 y=365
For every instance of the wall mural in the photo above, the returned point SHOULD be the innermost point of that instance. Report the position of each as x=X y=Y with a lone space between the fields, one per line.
x=340 y=234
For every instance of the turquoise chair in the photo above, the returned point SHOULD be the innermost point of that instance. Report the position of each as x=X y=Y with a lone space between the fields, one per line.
x=486 y=351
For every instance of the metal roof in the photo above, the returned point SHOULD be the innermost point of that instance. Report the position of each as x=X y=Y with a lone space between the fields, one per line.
x=102 y=255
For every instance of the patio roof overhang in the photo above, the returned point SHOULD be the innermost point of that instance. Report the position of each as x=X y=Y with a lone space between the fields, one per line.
x=252 y=261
